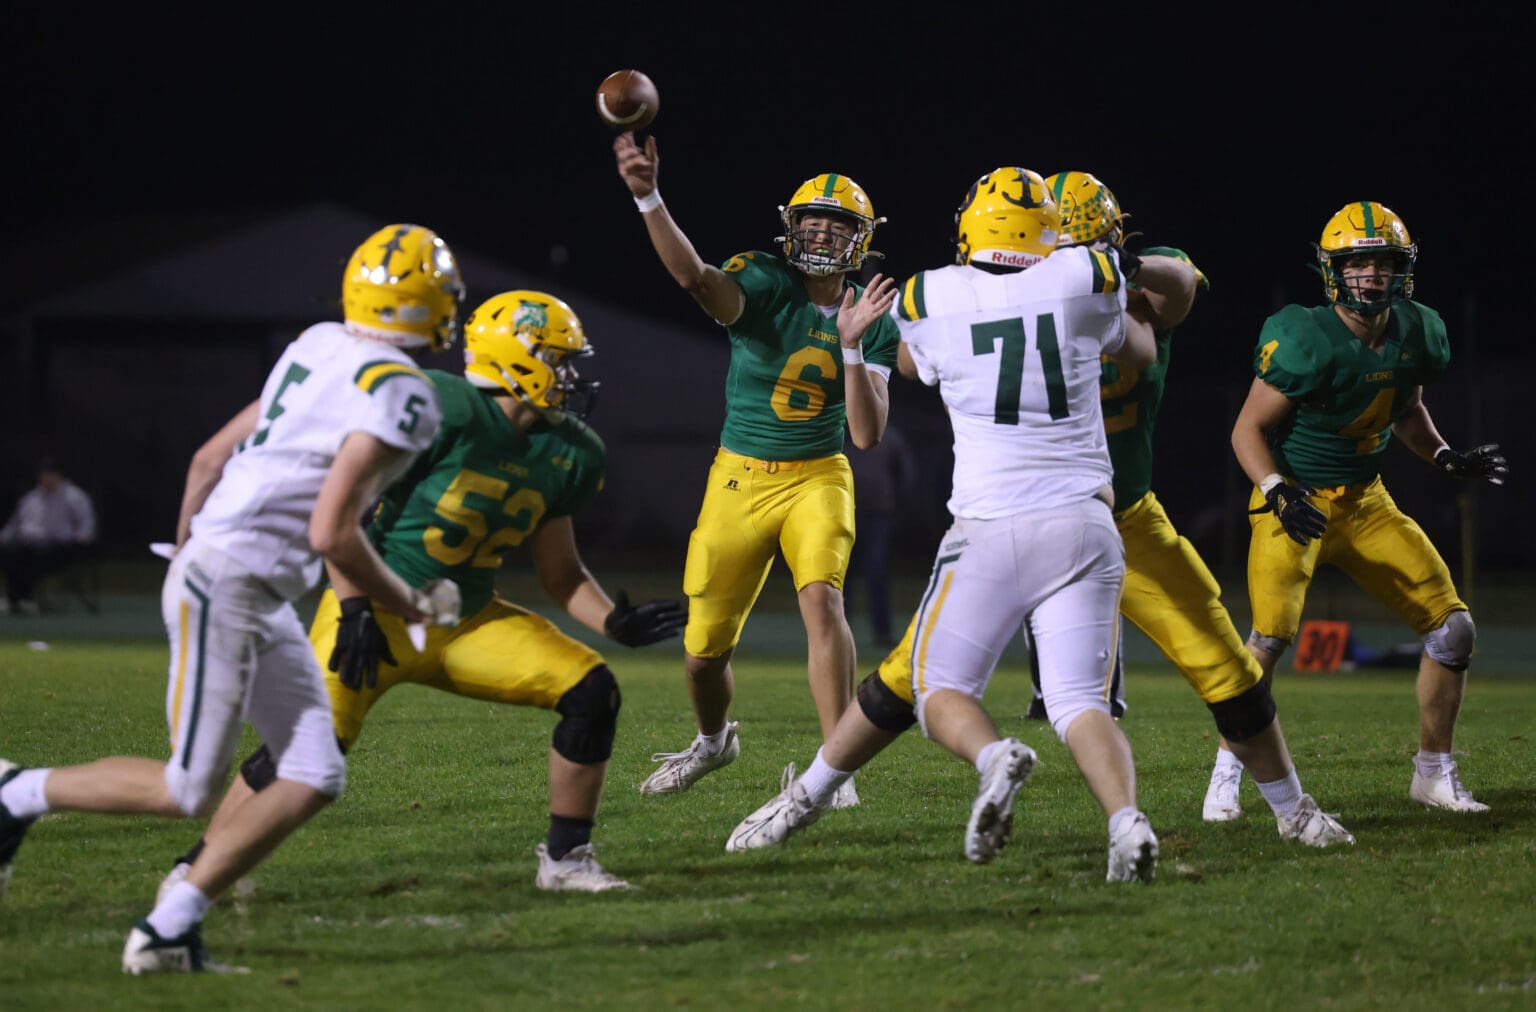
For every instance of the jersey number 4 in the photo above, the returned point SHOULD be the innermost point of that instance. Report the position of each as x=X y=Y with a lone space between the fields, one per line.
x=1009 y=336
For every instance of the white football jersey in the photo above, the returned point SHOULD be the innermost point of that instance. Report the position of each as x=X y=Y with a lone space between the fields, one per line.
x=327 y=384
x=1016 y=359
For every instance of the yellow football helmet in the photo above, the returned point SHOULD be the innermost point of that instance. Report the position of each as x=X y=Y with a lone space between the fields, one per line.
x=524 y=342
x=1089 y=211
x=1008 y=218
x=1366 y=227
x=402 y=286
x=828 y=193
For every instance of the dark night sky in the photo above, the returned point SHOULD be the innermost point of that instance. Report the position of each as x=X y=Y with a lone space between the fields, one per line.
x=481 y=125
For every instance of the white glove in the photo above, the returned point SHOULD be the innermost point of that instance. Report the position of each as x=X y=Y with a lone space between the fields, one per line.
x=441 y=602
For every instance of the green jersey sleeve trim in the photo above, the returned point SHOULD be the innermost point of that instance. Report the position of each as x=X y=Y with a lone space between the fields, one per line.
x=911 y=306
x=371 y=375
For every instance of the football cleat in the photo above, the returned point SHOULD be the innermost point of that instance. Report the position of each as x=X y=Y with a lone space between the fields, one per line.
x=12 y=829
x=1442 y=791
x=1312 y=826
x=176 y=874
x=992 y=812
x=577 y=871
x=1221 y=803
x=679 y=770
x=147 y=952
x=1133 y=851
x=846 y=795
x=790 y=811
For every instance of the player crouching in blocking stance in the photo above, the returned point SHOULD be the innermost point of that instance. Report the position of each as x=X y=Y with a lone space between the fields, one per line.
x=1333 y=384
x=811 y=352
x=280 y=487
x=1012 y=335
x=512 y=463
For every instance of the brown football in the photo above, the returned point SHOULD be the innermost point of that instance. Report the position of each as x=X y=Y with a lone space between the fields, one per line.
x=627 y=100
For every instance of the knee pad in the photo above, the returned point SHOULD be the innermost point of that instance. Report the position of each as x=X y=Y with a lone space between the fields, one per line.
x=259 y=770
x=1245 y=714
x=589 y=714
x=1272 y=645
x=1452 y=643
x=885 y=709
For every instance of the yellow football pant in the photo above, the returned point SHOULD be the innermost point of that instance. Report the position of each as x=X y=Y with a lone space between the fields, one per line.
x=753 y=508
x=501 y=654
x=1376 y=544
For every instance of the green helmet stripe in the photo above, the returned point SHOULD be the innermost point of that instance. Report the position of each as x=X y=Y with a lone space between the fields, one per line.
x=831 y=184
x=1060 y=187
x=1370 y=220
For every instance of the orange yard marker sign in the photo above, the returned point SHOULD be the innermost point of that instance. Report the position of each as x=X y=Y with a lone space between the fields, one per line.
x=1320 y=645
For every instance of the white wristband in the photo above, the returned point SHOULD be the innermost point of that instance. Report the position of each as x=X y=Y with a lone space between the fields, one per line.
x=1269 y=482
x=650 y=202
x=853 y=356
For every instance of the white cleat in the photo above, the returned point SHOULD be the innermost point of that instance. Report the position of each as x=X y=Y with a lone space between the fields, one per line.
x=1444 y=791
x=176 y=874
x=679 y=770
x=845 y=796
x=577 y=871
x=1221 y=804
x=1312 y=826
x=147 y=952
x=992 y=811
x=790 y=811
x=1133 y=851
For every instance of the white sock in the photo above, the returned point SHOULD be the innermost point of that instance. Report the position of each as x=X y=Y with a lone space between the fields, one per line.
x=23 y=794
x=986 y=754
x=1226 y=760
x=1284 y=794
x=822 y=780
x=1120 y=816
x=714 y=743
x=183 y=908
x=1429 y=764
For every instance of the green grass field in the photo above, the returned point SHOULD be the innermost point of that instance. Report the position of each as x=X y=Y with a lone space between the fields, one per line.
x=416 y=889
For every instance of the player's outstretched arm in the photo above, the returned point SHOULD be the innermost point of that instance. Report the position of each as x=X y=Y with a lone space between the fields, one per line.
x=571 y=585
x=208 y=465
x=865 y=396
x=1167 y=291
x=713 y=289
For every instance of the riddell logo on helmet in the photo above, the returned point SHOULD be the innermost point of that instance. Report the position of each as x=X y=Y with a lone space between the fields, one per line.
x=1007 y=259
x=1375 y=241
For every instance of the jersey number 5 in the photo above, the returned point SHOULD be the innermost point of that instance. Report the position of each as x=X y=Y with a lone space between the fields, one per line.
x=985 y=339
x=296 y=374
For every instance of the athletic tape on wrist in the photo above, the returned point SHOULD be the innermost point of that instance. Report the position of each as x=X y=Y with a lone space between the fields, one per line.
x=650 y=202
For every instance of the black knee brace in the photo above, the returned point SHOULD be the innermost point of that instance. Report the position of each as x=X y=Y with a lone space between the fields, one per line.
x=1245 y=714
x=259 y=770
x=885 y=709
x=589 y=716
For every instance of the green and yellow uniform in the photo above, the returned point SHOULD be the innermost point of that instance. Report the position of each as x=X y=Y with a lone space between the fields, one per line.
x=780 y=479
x=481 y=489
x=1346 y=395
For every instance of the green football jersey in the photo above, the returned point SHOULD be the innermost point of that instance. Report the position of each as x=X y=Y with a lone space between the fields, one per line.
x=784 y=390
x=480 y=489
x=1130 y=399
x=1346 y=395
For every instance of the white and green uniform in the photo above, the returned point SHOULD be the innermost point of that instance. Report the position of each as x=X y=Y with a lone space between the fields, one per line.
x=237 y=646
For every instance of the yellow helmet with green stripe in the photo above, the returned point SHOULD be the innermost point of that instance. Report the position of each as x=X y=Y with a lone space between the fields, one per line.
x=523 y=342
x=1358 y=229
x=1008 y=218
x=402 y=287
x=836 y=196
x=1089 y=211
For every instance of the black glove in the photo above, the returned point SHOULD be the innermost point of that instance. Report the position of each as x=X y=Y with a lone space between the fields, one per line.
x=643 y=624
x=360 y=645
x=1130 y=263
x=1479 y=462
x=1301 y=520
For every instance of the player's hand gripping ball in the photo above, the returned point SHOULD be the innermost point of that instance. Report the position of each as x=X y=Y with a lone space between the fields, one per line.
x=627 y=100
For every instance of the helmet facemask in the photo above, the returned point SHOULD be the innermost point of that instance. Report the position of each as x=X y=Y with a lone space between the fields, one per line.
x=1355 y=293
x=526 y=343
x=832 y=196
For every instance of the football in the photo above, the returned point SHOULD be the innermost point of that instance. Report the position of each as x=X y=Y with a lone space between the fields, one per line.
x=627 y=100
